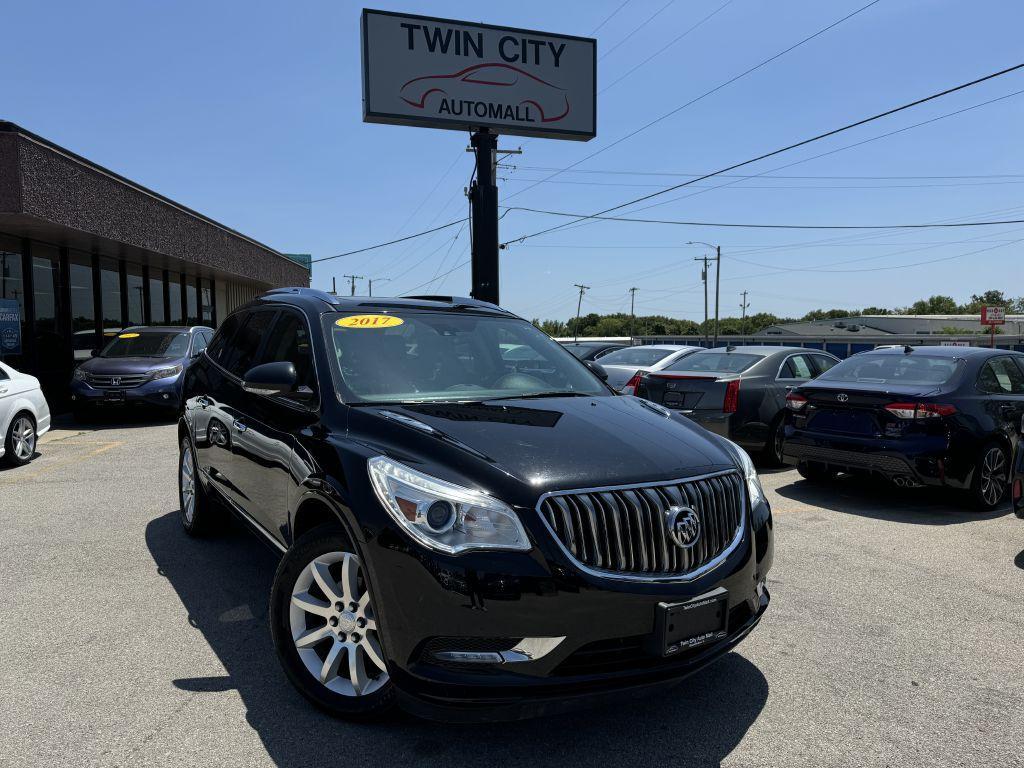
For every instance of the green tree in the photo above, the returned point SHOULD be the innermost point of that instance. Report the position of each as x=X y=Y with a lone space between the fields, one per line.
x=933 y=305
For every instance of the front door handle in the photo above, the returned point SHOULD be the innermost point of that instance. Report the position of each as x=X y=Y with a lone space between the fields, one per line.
x=240 y=425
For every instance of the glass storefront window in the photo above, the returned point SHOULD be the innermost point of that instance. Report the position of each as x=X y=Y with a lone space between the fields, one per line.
x=191 y=302
x=174 y=300
x=136 y=298
x=83 y=310
x=52 y=364
x=156 y=299
x=110 y=293
x=12 y=287
x=206 y=302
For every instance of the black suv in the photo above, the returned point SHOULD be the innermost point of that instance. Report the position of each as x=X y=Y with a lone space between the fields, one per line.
x=467 y=532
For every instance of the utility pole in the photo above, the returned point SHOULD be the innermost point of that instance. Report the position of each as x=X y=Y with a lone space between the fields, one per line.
x=579 y=304
x=353 y=278
x=632 y=313
x=371 y=281
x=334 y=286
x=743 y=307
x=718 y=276
x=704 y=278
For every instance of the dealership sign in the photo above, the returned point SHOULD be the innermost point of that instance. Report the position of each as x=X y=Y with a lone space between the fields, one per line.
x=993 y=316
x=438 y=73
x=10 y=327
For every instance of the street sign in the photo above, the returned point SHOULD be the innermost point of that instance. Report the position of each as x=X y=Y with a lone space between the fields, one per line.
x=993 y=316
x=439 y=73
x=10 y=327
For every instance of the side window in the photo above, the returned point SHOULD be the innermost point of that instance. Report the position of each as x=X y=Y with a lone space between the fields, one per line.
x=240 y=354
x=223 y=336
x=3 y=375
x=199 y=342
x=798 y=367
x=823 y=363
x=1001 y=376
x=289 y=340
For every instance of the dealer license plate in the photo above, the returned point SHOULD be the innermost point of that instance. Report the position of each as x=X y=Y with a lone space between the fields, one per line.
x=691 y=624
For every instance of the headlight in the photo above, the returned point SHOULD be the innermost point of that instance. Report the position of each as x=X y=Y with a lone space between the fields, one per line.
x=79 y=374
x=165 y=373
x=754 y=489
x=444 y=516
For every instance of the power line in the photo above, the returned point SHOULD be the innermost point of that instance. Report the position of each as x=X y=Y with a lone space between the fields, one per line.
x=776 y=186
x=390 y=242
x=772 y=176
x=643 y=24
x=610 y=16
x=634 y=220
x=457 y=266
x=790 y=147
x=704 y=95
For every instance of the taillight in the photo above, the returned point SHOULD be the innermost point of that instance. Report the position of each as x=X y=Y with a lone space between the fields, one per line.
x=732 y=397
x=633 y=383
x=795 y=402
x=920 y=410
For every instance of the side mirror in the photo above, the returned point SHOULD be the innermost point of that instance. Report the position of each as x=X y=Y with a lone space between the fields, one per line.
x=597 y=369
x=94 y=353
x=278 y=378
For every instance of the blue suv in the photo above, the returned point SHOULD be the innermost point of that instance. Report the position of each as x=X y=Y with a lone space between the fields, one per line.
x=139 y=366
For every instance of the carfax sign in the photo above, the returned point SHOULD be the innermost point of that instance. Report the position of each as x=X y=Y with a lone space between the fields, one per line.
x=10 y=327
x=438 y=73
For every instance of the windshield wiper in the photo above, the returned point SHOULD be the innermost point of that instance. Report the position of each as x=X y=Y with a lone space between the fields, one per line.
x=538 y=395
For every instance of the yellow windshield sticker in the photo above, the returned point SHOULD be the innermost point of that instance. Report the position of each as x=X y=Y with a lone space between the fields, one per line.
x=128 y=336
x=369 y=321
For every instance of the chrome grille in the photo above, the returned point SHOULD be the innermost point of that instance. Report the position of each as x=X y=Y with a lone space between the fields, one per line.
x=125 y=381
x=625 y=530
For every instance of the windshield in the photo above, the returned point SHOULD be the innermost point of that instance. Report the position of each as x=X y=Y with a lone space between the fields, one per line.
x=727 y=362
x=147 y=344
x=412 y=356
x=894 y=369
x=636 y=356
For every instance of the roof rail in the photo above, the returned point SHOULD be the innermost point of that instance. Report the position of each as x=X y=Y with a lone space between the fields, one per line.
x=314 y=293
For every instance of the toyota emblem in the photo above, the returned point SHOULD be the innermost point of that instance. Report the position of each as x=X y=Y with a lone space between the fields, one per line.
x=842 y=397
x=683 y=524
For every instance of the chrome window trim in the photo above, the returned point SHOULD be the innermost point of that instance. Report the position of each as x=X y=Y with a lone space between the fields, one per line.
x=674 y=578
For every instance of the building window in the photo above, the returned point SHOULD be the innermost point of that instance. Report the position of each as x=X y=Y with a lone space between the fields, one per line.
x=157 y=316
x=110 y=295
x=191 y=302
x=136 y=297
x=206 y=302
x=52 y=363
x=12 y=288
x=83 y=309
x=174 y=300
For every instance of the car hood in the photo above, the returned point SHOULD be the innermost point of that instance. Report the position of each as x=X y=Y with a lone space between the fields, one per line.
x=126 y=365
x=543 y=445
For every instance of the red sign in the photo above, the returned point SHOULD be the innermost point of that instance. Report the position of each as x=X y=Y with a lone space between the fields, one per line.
x=993 y=316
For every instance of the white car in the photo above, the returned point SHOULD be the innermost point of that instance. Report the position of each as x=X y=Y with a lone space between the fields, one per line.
x=24 y=415
x=625 y=365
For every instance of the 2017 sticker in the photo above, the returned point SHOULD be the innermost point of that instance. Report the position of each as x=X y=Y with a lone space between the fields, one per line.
x=128 y=336
x=369 y=321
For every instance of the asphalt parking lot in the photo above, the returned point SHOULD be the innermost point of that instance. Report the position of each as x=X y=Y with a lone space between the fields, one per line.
x=895 y=638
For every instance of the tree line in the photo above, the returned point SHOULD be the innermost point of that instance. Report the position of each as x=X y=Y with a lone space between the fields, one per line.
x=622 y=324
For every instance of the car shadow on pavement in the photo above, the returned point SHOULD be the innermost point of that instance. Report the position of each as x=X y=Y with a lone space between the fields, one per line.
x=1019 y=560
x=856 y=495
x=115 y=418
x=224 y=584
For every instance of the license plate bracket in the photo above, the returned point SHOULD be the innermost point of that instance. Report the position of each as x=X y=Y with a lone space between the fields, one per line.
x=691 y=624
x=114 y=396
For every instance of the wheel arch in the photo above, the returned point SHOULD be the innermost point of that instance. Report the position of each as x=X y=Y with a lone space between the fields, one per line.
x=314 y=510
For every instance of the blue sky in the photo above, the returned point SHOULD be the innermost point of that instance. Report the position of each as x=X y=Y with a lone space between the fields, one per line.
x=250 y=112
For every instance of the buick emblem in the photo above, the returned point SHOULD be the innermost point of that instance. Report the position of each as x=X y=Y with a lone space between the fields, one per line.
x=683 y=525
x=842 y=397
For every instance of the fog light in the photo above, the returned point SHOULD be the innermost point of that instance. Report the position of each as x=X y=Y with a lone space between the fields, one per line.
x=469 y=657
x=166 y=396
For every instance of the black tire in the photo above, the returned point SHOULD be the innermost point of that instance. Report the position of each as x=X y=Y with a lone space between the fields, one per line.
x=324 y=541
x=816 y=472
x=204 y=517
x=991 y=477
x=11 y=455
x=771 y=456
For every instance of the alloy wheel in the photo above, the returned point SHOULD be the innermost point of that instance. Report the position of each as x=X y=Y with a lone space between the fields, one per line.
x=24 y=438
x=993 y=476
x=187 y=483
x=334 y=627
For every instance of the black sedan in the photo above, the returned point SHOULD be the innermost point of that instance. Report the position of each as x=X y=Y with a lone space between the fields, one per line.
x=943 y=416
x=592 y=350
x=737 y=392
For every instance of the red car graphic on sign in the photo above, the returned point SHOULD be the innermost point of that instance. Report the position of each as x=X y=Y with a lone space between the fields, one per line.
x=489 y=83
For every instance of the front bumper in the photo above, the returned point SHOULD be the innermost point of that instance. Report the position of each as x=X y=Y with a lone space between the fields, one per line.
x=926 y=460
x=490 y=601
x=164 y=392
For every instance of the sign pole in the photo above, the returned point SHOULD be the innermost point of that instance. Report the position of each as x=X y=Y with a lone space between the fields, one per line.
x=483 y=197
